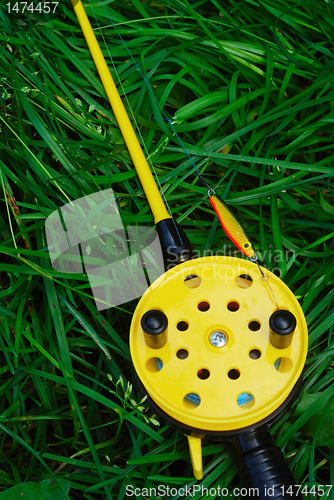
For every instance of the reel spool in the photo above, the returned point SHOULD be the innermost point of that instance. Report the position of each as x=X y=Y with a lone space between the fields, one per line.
x=218 y=359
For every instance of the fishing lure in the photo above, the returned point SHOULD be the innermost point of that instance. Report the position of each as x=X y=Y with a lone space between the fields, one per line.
x=232 y=227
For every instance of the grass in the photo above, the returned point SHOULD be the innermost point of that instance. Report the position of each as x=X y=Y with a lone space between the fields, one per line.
x=249 y=86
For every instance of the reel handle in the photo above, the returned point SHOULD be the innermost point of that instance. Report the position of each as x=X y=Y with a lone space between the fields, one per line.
x=261 y=465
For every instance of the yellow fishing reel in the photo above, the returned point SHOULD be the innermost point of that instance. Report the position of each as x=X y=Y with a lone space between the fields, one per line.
x=213 y=352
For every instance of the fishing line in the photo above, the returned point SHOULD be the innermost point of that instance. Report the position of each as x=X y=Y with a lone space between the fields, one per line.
x=177 y=135
x=148 y=86
x=265 y=279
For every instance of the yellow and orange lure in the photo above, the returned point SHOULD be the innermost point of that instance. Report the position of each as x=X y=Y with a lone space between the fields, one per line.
x=232 y=226
x=236 y=232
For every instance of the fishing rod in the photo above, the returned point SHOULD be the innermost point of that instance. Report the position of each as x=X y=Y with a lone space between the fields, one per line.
x=228 y=363
x=175 y=244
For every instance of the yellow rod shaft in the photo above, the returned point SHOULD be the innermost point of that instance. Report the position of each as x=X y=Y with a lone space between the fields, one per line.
x=145 y=175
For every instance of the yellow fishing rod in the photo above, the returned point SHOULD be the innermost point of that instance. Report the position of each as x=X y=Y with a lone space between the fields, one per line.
x=215 y=354
x=175 y=245
x=146 y=178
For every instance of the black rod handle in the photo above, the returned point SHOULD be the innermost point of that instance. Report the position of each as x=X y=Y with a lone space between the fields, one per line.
x=175 y=245
x=261 y=465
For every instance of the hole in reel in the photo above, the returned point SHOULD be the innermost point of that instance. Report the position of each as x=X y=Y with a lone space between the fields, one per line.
x=244 y=281
x=154 y=365
x=233 y=374
x=245 y=400
x=191 y=400
x=203 y=306
x=192 y=281
x=255 y=353
x=233 y=306
x=182 y=354
x=254 y=326
x=182 y=326
x=203 y=374
x=283 y=365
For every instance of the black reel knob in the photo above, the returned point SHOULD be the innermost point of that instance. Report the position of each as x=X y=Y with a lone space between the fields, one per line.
x=154 y=323
x=282 y=324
